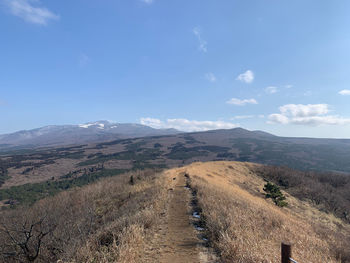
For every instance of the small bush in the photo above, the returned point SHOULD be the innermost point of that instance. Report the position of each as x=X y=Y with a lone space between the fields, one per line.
x=274 y=192
x=328 y=191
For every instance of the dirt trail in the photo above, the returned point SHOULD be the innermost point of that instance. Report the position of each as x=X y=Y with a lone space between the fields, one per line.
x=177 y=241
x=181 y=240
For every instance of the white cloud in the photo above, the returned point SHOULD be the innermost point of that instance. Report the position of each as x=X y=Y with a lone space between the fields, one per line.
x=344 y=92
x=278 y=118
x=202 y=43
x=300 y=110
x=26 y=10
x=242 y=117
x=148 y=1
x=240 y=102
x=187 y=125
x=310 y=114
x=271 y=90
x=152 y=122
x=210 y=76
x=246 y=77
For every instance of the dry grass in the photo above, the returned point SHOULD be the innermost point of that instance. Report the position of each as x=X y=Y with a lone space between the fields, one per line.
x=128 y=233
x=112 y=220
x=107 y=221
x=245 y=227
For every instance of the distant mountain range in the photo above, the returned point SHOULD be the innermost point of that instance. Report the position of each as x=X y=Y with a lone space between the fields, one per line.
x=55 y=135
x=108 y=141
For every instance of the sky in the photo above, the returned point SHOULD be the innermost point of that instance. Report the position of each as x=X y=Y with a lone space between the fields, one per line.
x=274 y=65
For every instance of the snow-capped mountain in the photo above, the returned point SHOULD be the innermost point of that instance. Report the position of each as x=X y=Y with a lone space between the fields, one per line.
x=78 y=134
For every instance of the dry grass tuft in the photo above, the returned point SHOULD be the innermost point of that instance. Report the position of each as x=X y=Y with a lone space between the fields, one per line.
x=127 y=246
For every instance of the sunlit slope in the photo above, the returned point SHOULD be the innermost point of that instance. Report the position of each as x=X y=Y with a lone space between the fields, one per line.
x=245 y=227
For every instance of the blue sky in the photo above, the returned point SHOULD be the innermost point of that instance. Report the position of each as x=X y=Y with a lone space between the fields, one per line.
x=277 y=66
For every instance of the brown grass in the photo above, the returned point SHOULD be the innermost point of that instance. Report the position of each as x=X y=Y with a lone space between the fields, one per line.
x=245 y=227
x=113 y=221
x=107 y=221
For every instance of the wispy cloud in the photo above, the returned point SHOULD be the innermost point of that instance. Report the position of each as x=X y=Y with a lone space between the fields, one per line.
x=202 y=43
x=31 y=11
x=240 y=102
x=288 y=86
x=344 y=92
x=310 y=114
x=271 y=90
x=187 y=125
x=210 y=77
x=242 y=117
x=148 y=2
x=246 y=77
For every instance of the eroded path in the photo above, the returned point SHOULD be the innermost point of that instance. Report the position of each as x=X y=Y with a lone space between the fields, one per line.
x=177 y=241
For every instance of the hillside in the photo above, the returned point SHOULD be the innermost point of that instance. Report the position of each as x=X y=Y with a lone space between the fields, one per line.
x=244 y=226
x=107 y=221
x=203 y=212
x=67 y=165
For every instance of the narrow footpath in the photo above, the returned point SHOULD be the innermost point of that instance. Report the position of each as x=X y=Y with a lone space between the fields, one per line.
x=177 y=240
x=181 y=239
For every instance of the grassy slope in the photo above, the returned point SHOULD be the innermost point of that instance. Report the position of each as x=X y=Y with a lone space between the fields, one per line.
x=245 y=227
x=112 y=220
x=107 y=221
